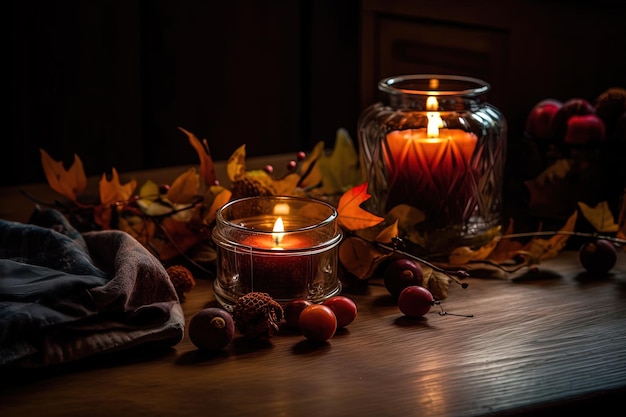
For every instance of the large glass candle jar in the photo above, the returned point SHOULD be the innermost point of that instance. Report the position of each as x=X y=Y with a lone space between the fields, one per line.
x=284 y=246
x=433 y=153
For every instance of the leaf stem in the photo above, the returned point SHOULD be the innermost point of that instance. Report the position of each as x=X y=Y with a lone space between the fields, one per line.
x=564 y=232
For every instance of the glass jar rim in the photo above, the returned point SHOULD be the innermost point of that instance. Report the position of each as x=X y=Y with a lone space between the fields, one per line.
x=412 y=85
x=328 y=220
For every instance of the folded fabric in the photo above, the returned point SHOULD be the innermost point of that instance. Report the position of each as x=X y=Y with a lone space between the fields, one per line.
x=66 y=295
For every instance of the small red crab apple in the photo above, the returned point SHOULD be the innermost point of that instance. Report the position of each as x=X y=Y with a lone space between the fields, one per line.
x=344 y=308
x=318 y=323
x=415 y=301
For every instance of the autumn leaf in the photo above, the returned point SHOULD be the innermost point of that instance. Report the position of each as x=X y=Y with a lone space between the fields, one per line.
x=236 y=164
x=543 y=249
x=69 y=183
x=180 y=238
x=112 y=191
x=311 y=175
x=465 y=254
x=436 y=282
x=215 y=197
x=407 y=217
x=340 y=170
x=351 y=215
x=185 y=187
x=360 y=257
x=506 y=248
x=207 y=167
x=600 y=217
x=388 y=233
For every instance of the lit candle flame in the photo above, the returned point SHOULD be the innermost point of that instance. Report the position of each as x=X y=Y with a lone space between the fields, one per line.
x=434 y=118
x=277 y=235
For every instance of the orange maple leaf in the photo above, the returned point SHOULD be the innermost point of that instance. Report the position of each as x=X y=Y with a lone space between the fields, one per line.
x=69 y=183
x=112 y=191
x=207 y=168
x=351 y=215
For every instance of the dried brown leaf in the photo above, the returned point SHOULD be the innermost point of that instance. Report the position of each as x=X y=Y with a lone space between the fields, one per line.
x=359 y=257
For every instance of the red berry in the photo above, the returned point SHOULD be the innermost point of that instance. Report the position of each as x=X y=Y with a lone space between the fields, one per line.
x=269 y=169
x=597 y=256
x=344 y=308
x=584 y=129
x=301 y=156
x=318 y=323
x=539 y=120
x=572 y=107
x=402 y=273
x=291 y=165
x=211 y=329
x=292 y=311
x=415 y=301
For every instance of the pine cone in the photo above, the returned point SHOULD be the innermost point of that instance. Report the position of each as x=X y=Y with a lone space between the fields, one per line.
x=248 y=186
x=257 y=315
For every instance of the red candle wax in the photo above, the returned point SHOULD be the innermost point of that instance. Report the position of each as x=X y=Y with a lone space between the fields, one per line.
x=431 y=173
x=271 y=268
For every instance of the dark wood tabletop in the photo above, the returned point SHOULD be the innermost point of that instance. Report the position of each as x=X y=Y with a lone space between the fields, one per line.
x=547 y=342
x=554 y=341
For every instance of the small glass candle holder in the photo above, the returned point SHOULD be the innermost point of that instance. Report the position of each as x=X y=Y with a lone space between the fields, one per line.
x=433 y=151
x=284 y=246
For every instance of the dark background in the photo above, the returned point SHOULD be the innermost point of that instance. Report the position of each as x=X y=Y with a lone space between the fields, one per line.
x=112 y=80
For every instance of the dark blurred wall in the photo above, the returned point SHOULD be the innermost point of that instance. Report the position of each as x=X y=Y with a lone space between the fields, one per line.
x=112 y=80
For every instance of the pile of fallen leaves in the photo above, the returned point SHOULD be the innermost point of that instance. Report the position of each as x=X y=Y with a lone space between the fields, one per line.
x=177 y=220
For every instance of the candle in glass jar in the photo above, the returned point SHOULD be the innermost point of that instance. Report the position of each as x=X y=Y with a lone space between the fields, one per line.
x=427 y=167
x=269 y=263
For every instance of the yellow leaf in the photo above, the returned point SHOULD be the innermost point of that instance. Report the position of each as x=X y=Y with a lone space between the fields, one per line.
x=341 y=169
x=286 y=185
x=351 y=215
x=599 y=216
x=69 y=183
x=112 y=191
x=388 y=233
x=544 y=249
x=310 y=169
x=464 y=254
x=236 y=164
x=185 y=187
x=149 y=191
x=207 y=168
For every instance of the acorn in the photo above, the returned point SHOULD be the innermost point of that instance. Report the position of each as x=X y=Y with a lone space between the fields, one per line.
x=257 y=314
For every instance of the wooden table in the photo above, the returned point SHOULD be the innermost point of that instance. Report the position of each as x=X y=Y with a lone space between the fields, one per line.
x=553 y=342
x=531 y=347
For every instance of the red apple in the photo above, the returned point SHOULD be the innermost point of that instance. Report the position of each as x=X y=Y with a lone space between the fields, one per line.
x=539 y=120
x=584 y=130
x=572 y=107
